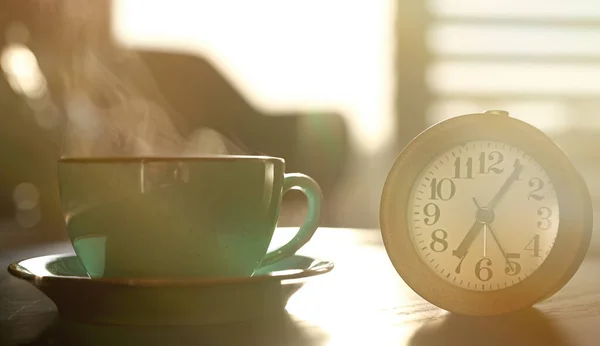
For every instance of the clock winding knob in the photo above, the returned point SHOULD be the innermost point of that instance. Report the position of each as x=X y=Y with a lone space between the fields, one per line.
x=497 y=112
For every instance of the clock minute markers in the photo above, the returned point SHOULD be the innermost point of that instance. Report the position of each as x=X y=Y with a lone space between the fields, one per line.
x=517 y=215
x=440 y=260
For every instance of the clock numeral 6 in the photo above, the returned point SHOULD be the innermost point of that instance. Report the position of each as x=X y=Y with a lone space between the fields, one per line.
x=439 y=243
x=445 y=189
x=483 y=270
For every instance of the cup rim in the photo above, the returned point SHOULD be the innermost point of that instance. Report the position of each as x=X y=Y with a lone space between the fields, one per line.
x=138 y=159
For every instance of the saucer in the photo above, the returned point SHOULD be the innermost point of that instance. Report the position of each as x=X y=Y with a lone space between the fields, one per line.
x=193 y=301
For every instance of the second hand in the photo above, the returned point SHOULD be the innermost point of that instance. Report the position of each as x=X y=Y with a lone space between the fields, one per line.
x=485 y=240
x=501 y=249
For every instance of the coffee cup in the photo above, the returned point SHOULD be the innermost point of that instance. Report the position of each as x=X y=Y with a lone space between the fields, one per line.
x=178 y=217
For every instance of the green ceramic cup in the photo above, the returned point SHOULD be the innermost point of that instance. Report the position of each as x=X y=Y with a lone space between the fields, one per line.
x=179 y=217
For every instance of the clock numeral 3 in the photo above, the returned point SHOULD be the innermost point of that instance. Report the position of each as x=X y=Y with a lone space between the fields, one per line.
x=445 y=189
x=483 y=270
x=439 y=243
x=545 y=213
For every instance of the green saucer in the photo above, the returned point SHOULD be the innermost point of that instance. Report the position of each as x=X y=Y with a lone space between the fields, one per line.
x=192 y=301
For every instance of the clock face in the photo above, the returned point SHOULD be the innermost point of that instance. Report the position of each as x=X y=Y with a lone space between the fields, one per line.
x=483 y=215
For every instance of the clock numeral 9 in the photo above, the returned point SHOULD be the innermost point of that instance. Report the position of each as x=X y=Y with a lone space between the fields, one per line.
x=439 y=243
x=445 y=189
x=433 y=212
x=512 y=267
x=483 y=270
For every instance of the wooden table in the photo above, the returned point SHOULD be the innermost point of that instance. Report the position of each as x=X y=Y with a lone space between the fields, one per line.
x=361 y=302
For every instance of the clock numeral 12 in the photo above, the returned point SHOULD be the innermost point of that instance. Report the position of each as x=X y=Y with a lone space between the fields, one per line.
x=495 y=157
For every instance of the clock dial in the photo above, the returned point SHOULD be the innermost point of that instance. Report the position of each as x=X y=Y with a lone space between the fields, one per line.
x=483 y=215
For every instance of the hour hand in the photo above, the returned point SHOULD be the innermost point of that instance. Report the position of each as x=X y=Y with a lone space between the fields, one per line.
x=462 y=248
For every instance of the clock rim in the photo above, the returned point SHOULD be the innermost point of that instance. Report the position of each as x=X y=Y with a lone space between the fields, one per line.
x=575 y=215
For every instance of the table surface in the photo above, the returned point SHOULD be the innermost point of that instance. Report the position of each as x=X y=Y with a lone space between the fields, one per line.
x=362 y=301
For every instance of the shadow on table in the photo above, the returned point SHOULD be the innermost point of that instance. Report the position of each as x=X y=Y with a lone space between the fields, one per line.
x=528 y=327
x=274 y=331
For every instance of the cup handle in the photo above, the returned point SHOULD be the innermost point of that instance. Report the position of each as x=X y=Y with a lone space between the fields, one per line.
x=310 y=188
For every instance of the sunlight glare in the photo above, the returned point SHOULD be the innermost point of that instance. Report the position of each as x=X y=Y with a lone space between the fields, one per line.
x=339 y=307
x=22 y=70
x=284 y=56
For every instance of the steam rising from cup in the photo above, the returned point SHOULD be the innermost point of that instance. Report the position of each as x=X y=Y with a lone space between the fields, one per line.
x=113 y=106
x=137 y=127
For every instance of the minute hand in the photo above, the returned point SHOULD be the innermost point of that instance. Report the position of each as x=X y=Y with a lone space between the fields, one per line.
x=513 y=176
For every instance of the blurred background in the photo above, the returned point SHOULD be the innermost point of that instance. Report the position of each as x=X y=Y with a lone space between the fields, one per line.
x=335 y=87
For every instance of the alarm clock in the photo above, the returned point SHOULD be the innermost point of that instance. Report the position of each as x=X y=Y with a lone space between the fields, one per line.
x=483 y=214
